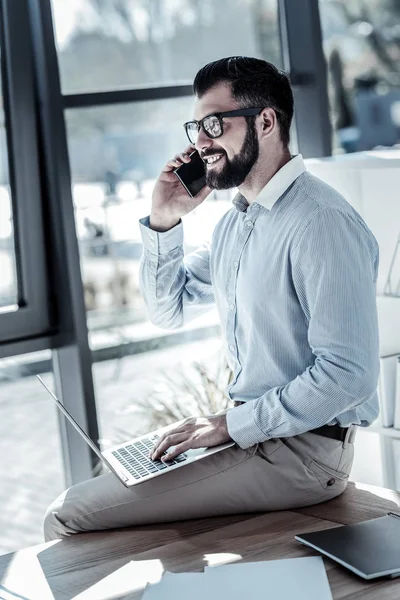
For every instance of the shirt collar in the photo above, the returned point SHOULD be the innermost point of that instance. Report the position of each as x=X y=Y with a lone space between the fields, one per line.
x=276 y=186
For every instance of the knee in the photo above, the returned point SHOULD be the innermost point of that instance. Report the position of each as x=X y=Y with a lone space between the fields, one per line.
x=53 y=525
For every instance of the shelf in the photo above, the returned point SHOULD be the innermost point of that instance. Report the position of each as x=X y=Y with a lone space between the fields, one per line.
x=387 y=431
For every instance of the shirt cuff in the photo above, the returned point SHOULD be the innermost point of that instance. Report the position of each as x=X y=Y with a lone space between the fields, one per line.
x=160 y=242
x=242 y=428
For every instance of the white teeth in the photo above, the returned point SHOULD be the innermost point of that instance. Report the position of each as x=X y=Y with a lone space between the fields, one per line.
x=212 y=159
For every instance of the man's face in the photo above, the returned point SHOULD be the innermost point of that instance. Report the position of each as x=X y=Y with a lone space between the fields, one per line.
x=236 y=151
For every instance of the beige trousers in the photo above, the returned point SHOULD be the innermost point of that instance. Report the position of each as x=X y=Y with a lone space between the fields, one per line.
x=274 y=475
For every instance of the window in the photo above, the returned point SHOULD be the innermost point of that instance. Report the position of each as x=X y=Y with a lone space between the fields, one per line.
x=111 y=44
x=8 y=283
x=31 y=469
x=362 y=49
x=24 y=309
x=116 y=154
x=143 y=374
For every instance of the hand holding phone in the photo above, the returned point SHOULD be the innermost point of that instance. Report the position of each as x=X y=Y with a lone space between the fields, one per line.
x=179 y=189
x=192 y=175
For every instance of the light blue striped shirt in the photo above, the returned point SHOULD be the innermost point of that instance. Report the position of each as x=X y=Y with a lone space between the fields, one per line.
x=293 y=276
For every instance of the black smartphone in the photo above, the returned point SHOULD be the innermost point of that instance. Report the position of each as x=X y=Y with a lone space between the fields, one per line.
x=192 y=175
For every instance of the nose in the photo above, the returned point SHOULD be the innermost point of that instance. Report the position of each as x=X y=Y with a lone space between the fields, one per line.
x=203 y=141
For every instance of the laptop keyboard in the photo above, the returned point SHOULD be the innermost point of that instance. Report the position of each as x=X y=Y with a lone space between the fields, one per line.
x=134 y=457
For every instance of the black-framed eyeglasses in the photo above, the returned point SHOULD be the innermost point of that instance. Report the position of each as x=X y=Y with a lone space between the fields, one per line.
x=212 y=125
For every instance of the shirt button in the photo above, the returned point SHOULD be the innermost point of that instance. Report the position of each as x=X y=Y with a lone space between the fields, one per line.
x=231 y=306
x=249 y=224
x=232 y=348
x=236 y=264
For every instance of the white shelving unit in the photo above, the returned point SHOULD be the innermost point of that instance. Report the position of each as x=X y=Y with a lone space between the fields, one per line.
x=389 y=432
x=390 y=474
x=370 y=182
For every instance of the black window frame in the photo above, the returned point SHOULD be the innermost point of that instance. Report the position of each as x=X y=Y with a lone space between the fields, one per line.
x=32 y=318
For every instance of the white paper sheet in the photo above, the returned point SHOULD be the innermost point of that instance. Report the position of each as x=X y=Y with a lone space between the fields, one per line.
x=178 y=586
x=287 y=579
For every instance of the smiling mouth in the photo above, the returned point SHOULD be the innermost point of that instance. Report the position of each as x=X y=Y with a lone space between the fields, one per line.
x=211 y=160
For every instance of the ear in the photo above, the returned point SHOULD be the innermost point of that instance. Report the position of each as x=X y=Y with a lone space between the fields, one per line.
x=268 y=122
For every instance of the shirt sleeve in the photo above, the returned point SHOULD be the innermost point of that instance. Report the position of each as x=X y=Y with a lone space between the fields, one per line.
x=334 y=272
x=175 y=288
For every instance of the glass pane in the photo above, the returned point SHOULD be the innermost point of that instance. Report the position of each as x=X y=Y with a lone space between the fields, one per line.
x=138 y=393
x=116 y=153
x=8 y=279
x=107 y=44
x=31 y=469
x=362 y=48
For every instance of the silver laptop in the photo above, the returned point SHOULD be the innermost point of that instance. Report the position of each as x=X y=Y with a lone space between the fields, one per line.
x=130 y=461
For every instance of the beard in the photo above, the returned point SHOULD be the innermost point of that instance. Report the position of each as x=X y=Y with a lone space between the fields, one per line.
x=236 y=170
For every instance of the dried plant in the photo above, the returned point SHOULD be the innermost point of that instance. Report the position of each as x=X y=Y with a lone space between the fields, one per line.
x=195 y=391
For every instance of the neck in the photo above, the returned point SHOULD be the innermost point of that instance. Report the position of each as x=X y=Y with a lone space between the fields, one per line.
x=257 y=180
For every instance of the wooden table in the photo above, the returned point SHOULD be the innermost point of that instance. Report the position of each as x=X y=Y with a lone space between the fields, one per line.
x=115 y=564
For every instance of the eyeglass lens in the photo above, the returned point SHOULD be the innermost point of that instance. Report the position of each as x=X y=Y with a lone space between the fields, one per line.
x=211 y=125
x=192 y=131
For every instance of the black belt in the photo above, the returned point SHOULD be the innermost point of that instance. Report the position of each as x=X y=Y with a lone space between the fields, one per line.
x=331 y=431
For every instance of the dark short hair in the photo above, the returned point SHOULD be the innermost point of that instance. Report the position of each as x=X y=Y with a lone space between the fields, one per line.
x=254 y=82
